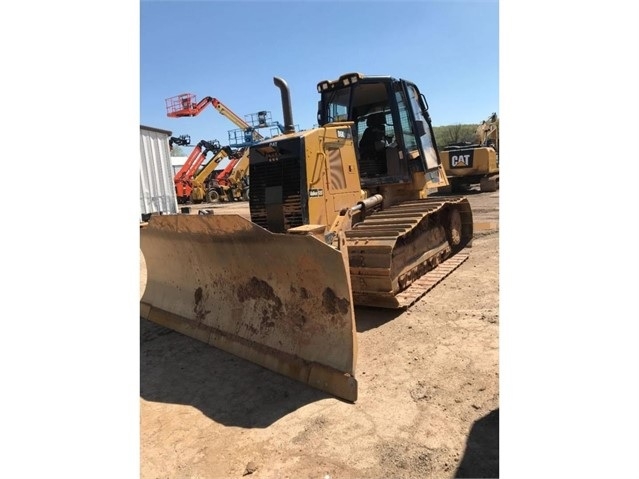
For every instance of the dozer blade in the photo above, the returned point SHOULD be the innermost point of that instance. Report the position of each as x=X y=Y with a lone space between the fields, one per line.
x=278 y=300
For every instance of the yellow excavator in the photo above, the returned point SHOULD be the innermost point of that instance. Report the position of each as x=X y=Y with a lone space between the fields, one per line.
x=339 y=216
x=470 y=163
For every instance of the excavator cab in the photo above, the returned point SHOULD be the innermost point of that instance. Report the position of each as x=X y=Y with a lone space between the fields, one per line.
x=398 y=114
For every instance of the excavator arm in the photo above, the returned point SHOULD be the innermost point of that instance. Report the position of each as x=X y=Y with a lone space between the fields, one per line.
x=488 y=131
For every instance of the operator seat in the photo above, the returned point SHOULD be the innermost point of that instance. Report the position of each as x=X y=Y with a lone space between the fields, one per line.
x=372 y=146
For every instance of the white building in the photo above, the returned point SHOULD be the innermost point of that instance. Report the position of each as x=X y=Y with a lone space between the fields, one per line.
x=157 y=190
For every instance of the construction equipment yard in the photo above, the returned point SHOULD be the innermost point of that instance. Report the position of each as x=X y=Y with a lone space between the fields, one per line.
x=428 y=403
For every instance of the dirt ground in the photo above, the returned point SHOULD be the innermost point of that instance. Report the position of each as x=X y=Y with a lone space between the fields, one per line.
x=428 y=402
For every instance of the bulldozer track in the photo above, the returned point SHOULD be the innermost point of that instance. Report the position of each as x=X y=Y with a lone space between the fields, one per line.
x=427 y=282
x=398 y=254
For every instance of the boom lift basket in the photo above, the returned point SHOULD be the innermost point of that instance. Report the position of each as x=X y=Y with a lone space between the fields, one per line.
x=180 y=105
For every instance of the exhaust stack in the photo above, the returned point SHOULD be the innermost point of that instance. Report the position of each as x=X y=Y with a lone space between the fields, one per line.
x=289 y=127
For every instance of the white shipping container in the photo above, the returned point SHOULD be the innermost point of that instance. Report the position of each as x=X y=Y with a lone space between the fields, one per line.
x=157 y=190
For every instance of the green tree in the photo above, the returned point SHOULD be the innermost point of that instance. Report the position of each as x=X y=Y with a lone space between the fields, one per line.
x=177 y=151
x=449 y=134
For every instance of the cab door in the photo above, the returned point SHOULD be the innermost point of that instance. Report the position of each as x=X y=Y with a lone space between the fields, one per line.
x=423 y=142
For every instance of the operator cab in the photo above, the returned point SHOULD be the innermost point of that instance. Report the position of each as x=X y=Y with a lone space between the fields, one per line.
x=392 y=129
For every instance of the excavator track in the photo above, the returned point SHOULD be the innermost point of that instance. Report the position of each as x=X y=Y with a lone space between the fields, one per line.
x=398 y=254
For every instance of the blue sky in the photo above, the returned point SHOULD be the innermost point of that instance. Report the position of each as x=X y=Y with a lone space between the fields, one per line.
x=232 y=50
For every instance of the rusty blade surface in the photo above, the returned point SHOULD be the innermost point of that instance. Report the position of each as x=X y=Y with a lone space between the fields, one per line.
x=281 y=301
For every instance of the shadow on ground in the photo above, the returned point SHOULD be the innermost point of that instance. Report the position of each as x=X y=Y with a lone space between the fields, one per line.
x=369 y=318
x=481 y=457
x=177 y=369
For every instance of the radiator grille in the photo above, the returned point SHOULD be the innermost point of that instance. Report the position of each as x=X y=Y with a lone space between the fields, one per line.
x=276 y=198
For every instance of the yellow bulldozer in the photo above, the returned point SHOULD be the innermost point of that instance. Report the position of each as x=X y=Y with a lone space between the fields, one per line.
x=340 y=216
x=469 y=163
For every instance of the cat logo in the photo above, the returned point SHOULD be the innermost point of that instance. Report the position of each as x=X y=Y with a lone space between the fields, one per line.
x=461 y=160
